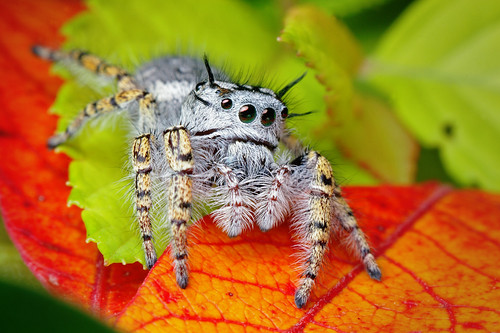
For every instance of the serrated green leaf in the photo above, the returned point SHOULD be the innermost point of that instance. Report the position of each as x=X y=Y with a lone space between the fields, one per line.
x=361 y=126
x=441 y=67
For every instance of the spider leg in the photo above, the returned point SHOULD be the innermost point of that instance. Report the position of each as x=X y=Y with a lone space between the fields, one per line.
x=317 y=222
x=89 y=61
x=141 y=160
x=344 y=215
x=273 y=203
x=324 y=205
x=106 y=105
x=128 y=91
x=180 y=159
x=235 y=214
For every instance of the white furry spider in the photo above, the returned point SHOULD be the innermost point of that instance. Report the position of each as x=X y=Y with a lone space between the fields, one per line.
x=193 y=135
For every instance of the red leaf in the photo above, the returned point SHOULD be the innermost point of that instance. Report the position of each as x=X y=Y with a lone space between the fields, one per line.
x=438 y=249
x=49 y=235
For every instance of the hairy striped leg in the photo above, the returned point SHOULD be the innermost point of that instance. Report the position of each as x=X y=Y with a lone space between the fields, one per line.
x=325 y=205
x=273 y=203
x=128 y=91
x=235 y=215
x=318 y=222
x=91 y=62
x=141 y=161
x=344 y=215
x=119 y=101
x=180 y=159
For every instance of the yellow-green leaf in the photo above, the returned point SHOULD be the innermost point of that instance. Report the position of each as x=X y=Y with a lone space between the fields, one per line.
x=440 y=65
x=362 y=126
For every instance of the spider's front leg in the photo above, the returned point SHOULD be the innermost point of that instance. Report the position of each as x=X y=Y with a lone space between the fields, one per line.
x=322 y=206
x=141 y=161
x=180 y=159
x=141 y=149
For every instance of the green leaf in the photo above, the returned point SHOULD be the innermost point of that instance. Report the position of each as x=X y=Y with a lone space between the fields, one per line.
x=440 y=65
x=25 y=310
x=362 y=126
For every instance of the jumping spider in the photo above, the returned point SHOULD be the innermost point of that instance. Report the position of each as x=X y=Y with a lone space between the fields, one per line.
x=216 y=141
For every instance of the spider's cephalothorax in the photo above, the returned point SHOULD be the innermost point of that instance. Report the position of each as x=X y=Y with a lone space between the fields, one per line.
x=214 y=141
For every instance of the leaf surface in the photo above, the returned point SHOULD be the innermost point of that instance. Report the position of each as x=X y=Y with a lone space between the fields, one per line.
x=436 y=253
x=440 y=66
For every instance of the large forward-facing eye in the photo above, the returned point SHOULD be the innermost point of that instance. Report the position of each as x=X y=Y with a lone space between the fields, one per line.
x=247 y=113
x=268 y=117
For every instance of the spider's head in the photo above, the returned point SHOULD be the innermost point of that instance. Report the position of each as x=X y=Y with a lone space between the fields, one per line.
x=237 y=112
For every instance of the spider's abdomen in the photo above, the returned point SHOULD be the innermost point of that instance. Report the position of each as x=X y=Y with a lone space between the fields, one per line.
x=170 y=80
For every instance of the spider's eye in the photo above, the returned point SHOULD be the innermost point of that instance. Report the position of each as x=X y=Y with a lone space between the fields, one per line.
x=199 y=85
x=268 y=117
x=226 y=103
x=247 y=113
x=284 y=113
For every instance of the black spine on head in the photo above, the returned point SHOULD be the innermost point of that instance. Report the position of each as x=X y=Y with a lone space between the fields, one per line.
x=289 y=86
x=209 y=71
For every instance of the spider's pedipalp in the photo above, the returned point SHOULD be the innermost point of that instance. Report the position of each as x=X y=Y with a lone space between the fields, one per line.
x=180 y=159
x=236 y=212
x=273 y=203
